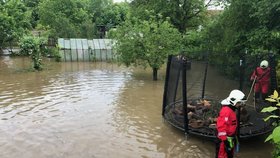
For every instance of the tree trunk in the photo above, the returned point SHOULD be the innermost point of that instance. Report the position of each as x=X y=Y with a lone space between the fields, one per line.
x=155 y=70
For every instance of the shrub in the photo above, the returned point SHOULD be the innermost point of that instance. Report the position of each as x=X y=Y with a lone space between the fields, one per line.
x=273 y=109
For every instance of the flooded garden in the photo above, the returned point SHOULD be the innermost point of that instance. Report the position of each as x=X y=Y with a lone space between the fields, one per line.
x=97 y=110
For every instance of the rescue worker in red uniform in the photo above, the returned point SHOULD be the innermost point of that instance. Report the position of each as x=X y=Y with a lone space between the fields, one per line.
x=227 y=124
x=261 y=78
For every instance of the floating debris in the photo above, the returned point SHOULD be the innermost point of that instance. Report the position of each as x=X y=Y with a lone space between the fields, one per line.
x=202 y=113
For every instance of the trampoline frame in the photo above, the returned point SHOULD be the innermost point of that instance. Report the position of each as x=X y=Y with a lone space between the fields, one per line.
x=182 y=61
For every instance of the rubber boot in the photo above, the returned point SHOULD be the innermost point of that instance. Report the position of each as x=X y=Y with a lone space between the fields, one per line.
x=257 y=97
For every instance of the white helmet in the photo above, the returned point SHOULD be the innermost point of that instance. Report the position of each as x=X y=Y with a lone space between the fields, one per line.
x=234 y=97
x=264 y=64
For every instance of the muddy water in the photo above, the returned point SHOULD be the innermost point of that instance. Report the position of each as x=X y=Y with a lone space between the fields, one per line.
x=96 y=110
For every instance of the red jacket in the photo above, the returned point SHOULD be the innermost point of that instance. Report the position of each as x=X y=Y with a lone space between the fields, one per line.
x=263 y=75
x=262 y=79
x=226 y=122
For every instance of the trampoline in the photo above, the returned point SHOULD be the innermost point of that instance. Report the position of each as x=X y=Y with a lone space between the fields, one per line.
x=196 y=114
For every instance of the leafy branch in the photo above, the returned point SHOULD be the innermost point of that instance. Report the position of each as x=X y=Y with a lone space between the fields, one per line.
x=274 y=137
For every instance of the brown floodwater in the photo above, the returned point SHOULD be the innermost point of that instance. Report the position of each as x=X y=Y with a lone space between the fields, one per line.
x=97 y=110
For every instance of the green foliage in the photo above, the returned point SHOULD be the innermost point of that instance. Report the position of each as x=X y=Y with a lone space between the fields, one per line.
x=66 y=18
x=14 y=21
x=112 y=15
x=183 y=14
x=32 y=6
x=278 y=73
x=243 y=25
x=274 y=137
x=33 y=46
x=80 y=18
x=193 y=44
x=258 y=28
x=146 y=42
x=54 y=52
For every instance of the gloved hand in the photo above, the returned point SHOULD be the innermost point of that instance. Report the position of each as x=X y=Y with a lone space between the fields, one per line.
x=227 y=146
x=230 y=141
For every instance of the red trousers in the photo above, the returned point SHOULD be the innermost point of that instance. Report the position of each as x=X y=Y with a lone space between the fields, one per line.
x=223 y=153
x=261 y=87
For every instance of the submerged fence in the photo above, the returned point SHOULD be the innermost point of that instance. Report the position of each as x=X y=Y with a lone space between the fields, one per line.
x=86 y=50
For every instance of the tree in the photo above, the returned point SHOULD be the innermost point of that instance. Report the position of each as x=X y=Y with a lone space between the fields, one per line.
x=244 y=26
x=33 y=46
x=248 y=24
x=80 y=18
x=14 y=21
x=183 y=14
x=188 y=16
x=147 y=43
x=32 y=6
x=66 y=18
x=106 y=15
x=113 y=15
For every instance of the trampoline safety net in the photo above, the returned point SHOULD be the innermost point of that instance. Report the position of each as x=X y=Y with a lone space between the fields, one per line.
x=196 y=114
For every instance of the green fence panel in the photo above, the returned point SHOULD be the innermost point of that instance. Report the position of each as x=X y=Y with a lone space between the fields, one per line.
x=74 y=53
x=67 y=50
x=85 y=50
x=103 y=49
x=97 y=49
x=80 y=52
x=108 y=44
x=91 y=50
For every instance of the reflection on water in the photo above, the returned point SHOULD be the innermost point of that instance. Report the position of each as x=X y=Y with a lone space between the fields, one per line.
x=95 y=110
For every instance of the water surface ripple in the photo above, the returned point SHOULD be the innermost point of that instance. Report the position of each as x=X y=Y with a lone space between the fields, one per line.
x=93 y=110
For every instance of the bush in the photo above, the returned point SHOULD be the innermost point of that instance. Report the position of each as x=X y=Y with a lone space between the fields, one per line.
x=33 y=46
x=278 y=73
x=273 y=109
x=53 y=52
